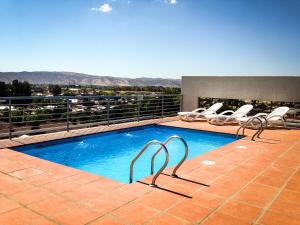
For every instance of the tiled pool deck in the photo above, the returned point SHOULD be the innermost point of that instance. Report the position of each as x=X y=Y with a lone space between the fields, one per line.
x=251 y=183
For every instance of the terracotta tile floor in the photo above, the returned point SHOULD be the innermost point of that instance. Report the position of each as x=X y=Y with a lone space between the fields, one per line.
x=252 y=182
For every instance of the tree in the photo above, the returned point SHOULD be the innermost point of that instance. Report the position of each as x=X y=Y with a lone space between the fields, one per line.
x=4 y=92
x=26 y=89
x=16 y=89
x=55 y=90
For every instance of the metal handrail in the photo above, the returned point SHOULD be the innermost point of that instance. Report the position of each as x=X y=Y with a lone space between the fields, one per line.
x=22 y=112
x=259 y=130
x=263 y=128
x=81 y=97
x=141 y=152
x=181 y=161
x=244 y=126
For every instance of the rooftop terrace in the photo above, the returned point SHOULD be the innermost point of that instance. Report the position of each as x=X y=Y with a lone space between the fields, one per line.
x=251 y=182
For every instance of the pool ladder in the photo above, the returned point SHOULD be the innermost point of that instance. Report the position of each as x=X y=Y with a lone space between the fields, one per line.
x=161 y=146
x=260 y=129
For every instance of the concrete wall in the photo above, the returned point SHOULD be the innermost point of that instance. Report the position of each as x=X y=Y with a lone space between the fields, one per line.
x=259 y=88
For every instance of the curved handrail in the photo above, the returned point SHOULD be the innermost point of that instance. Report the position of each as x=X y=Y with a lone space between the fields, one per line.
x=263 y=128
x=181 y=161
x=141 y=152
x=259 y=130
x=243 y=126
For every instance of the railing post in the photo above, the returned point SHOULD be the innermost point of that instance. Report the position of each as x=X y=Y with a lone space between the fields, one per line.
x=162 y=106
x=9 y=118
x=139 y=102
x=68 y=115
x=181 y=102
x=107 y=111
x=139 y=109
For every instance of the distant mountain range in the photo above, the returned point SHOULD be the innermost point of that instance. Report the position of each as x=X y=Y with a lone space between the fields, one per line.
x=44 y=77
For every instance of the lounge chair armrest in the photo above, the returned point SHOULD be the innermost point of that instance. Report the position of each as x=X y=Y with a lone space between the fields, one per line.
x=227 y=111
x=240 y=114
x=276 y=116
x=280 y=118
x=261 y=115
x=210 y=111
x=199 y=109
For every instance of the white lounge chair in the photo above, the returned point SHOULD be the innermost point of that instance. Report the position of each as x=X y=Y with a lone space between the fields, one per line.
x=200 y=112
x=276 y=117
x=222 y=118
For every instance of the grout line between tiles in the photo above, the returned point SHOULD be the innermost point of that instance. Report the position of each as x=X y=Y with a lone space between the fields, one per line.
x=244 y=187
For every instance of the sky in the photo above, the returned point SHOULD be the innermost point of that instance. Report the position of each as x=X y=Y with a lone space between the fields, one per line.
x=151 y=38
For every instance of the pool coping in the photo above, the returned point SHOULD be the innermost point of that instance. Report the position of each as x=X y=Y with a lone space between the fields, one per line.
x=19 y=141
x=114 y=129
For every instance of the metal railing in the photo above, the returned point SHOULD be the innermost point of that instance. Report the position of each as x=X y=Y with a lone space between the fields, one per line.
x=161 y=146
x=37 y=114
x=186 y=152
x=260 y=129
x=154 y=142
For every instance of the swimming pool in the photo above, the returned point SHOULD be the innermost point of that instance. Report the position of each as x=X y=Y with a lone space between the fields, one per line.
x=109 y=154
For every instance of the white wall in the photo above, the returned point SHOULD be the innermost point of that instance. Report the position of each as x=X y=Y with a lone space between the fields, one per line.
x=260 y=88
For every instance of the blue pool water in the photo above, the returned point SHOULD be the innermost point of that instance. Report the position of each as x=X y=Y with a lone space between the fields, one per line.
x=109 y=154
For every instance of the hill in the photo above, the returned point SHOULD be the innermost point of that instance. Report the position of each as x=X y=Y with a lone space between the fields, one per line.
x=44 y=77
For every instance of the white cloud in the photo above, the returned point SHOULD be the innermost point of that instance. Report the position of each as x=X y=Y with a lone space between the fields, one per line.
x=105 y=8
x=171 y=2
